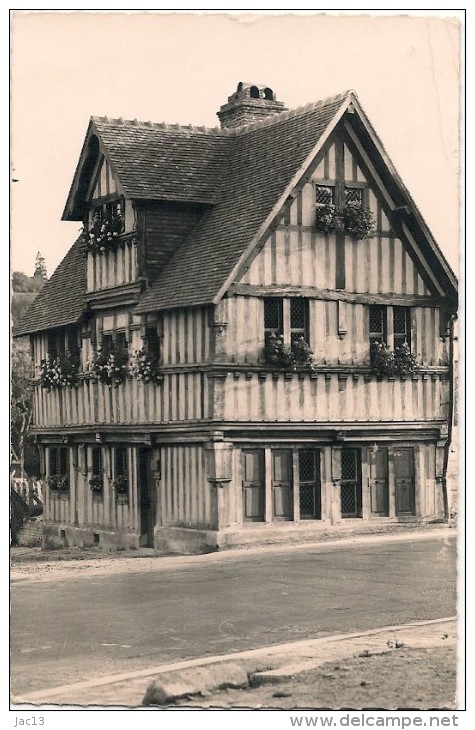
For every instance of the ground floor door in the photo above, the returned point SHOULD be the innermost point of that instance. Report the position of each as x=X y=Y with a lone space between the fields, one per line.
x=350 y=483
x=146 y=498
x=282 y=485
x=310 y=485
x=253 y=485
x=404 y=480
x=380 y=483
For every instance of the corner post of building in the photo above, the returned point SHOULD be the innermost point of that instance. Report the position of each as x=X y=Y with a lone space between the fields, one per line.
x=218 y=324
x=219 y=475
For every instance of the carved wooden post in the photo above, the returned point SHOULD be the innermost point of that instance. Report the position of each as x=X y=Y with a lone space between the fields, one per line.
x=219 y=475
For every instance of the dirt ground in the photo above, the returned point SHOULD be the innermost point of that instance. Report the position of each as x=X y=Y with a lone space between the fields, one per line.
x=398 y=679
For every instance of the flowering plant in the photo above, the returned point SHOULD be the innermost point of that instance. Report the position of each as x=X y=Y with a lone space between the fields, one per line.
x=58 y=482
x=102 y=233
x=329 y=218
x=96 y=482
x=121 y=484
x=146 y=367
x=405 y=361
x=387 y=362
x=110 y=368
x=301 y=353
x=58 y=372
x=352 y=219
x=358 y=222
x=299 y=356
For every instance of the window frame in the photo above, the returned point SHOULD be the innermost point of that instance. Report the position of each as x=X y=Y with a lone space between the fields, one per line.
x=96 y=460
x=105 y=210
x=152 y=341
x=389 y=336
x=327 y=185
x=60 y=456
x=120 y=464
x=286 y=330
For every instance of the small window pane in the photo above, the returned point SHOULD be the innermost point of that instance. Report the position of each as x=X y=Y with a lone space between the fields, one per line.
x=63 y=461
x=152 y=341
x=377 y=321
x=53 y=460
x=96 y=460
x=354 y=195
x=323 y=195
x=121 y=342
x=400 y=320
x=273 y=314
x=297 y=314
x=106 y=344
x=402 y=329
x=120 y=460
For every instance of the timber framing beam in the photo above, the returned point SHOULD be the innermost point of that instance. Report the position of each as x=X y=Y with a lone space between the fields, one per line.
x=311 y=292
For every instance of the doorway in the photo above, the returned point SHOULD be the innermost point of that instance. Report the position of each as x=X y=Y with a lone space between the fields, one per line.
x=380 y=483
x=404 y=479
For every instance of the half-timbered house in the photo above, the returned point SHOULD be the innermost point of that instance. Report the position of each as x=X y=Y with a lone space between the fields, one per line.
x=251 y=339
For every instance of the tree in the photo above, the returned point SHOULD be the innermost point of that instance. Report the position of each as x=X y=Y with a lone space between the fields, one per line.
x=23 y=284
x=40 y=268
x=21 y=407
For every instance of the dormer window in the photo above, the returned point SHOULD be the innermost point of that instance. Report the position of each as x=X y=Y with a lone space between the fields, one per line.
x=111 y=214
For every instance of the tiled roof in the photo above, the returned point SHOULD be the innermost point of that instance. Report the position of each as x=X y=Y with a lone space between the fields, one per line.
x=261 y=162
x=60 y=302
x=166 y=162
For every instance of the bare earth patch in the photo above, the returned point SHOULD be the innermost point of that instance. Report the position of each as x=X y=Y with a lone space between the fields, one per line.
x=398 y=679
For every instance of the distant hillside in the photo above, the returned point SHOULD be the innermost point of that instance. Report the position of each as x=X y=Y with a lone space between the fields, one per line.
x=20 y=303
x=24 y=290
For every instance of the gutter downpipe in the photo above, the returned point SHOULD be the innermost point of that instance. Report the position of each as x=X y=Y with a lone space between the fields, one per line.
x=450 y=417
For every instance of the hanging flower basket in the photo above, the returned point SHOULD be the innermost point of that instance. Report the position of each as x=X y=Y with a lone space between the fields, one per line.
x=121 y=484
x=352 y=219
x=102 y=235
x=358 y=222
x=405 y=361
x=58 y=372
x=329 y=218
x=58 y=483
x=298 y=357
x=388 y=362
x=146 y=367
x=109 y=368
x=96 y=482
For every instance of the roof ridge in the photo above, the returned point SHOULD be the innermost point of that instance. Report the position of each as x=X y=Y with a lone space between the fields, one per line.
x=175 y=127
x=297 y=111
x=230 y=131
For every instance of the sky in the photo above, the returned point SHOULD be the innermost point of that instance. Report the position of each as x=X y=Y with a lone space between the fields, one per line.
x=68 y=66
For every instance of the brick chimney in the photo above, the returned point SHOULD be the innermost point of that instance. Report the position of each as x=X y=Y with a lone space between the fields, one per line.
x=250 y=103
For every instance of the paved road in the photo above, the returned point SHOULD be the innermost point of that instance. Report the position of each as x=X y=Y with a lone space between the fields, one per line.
x=69 y=631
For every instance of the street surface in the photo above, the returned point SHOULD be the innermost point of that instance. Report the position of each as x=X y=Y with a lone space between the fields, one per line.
x=68 y=631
